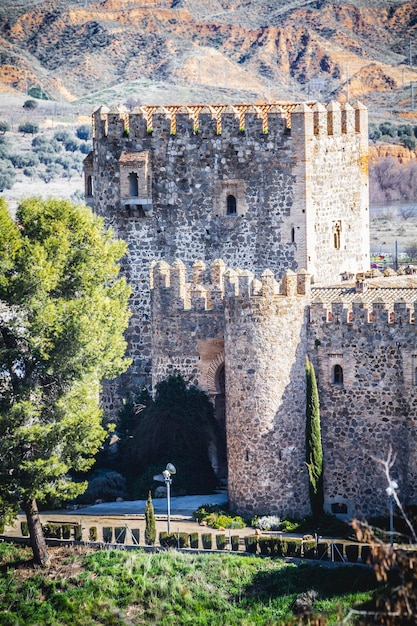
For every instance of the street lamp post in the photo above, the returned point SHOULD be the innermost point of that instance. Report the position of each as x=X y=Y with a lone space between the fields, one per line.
x=167 y=473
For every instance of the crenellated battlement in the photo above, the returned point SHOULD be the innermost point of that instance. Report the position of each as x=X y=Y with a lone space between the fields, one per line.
x=359 y=312
x=307 y=119
x=198 y=295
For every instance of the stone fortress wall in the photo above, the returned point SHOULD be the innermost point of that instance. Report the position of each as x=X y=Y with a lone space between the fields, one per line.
x=281 y=192
x=163 y=177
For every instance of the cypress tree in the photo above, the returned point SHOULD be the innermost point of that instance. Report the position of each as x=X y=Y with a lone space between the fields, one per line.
x=314 y=451
x=150 y=528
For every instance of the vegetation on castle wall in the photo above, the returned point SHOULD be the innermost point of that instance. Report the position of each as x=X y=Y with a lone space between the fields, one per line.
x=314 y=451
x=176 y=427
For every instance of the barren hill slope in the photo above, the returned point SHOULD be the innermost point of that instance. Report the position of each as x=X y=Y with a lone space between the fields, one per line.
x=211 y=49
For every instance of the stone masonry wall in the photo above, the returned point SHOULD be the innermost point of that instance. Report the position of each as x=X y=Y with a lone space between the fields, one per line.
x=196 y=157
x=265 y=348
x=375 y=406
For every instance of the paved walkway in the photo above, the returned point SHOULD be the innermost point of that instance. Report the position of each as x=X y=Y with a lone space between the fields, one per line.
x=181 y=506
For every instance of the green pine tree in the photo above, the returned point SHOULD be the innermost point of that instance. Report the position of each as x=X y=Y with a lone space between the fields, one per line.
x=150 y=529
x=314 y=451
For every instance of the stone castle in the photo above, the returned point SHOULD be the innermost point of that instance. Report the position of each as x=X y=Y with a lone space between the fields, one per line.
x=248 y=236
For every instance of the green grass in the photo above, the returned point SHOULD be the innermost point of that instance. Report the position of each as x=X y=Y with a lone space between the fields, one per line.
x=116 y=587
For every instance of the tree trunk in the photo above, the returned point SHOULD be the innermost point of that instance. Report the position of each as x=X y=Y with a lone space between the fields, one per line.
x=37 y=539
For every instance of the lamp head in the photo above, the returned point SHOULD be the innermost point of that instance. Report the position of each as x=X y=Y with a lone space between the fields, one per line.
x=171 y=468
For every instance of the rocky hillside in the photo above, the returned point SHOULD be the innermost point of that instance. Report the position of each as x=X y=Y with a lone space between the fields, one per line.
x=211 y=50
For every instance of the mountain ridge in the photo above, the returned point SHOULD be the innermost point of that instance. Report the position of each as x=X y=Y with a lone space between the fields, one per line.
x=266 y=50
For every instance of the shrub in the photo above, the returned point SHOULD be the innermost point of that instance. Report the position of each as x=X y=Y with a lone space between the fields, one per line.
x=7 y=174
x=251 y=544
x=235 y=541
x=288 y=526
x=84 y=132
x=104 y=485
x=215 y=517
x=270 y=546
x=173 y=540
x=92 y=533
x=291 y=547
x=207 y=541
x=120 y=534
x=4 y=127
x=267 y=522
x=107 y=534
x=309 y=549
x=63 y=136
x=221 y=542
x=30 y=105
x=23 y=159
x=150 y=529
x=52 y=531
x=194 y=540
x=66 y=531
x=28 y=128
x=78 y=532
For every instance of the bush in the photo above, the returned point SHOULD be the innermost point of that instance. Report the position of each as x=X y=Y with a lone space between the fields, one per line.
x=194 y=540
x=120 y=534
x=267 y=522
x=52 y=531
x=7 y=174
x=66 y=531
x=4 y=127
x=309 y=549
x=150 y=528
x=207 y=541
x=235 y=541
x=63 y=135
x=28 y=128
x=173 y=540
x=215 y=517
x=291 y=547
x=30 y=105
x=105 y=485
x=221 y=542
x=84 y=132
x=24 y=159
x=251 y=544
x=270 y=546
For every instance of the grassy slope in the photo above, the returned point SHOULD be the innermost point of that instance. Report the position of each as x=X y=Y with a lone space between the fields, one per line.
x=169 y=588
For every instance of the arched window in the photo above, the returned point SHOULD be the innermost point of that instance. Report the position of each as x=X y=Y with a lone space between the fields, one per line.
x=133 y=185
x=89 y=186
x=231 y=205
x=338 y=375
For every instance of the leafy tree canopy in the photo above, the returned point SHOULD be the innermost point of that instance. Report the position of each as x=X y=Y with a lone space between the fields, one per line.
x=178 y=426
x=63 y=311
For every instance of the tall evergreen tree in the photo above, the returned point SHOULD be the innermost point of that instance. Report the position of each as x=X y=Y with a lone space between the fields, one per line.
x=150 y=528
x=63 y=311
x=314 y=451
